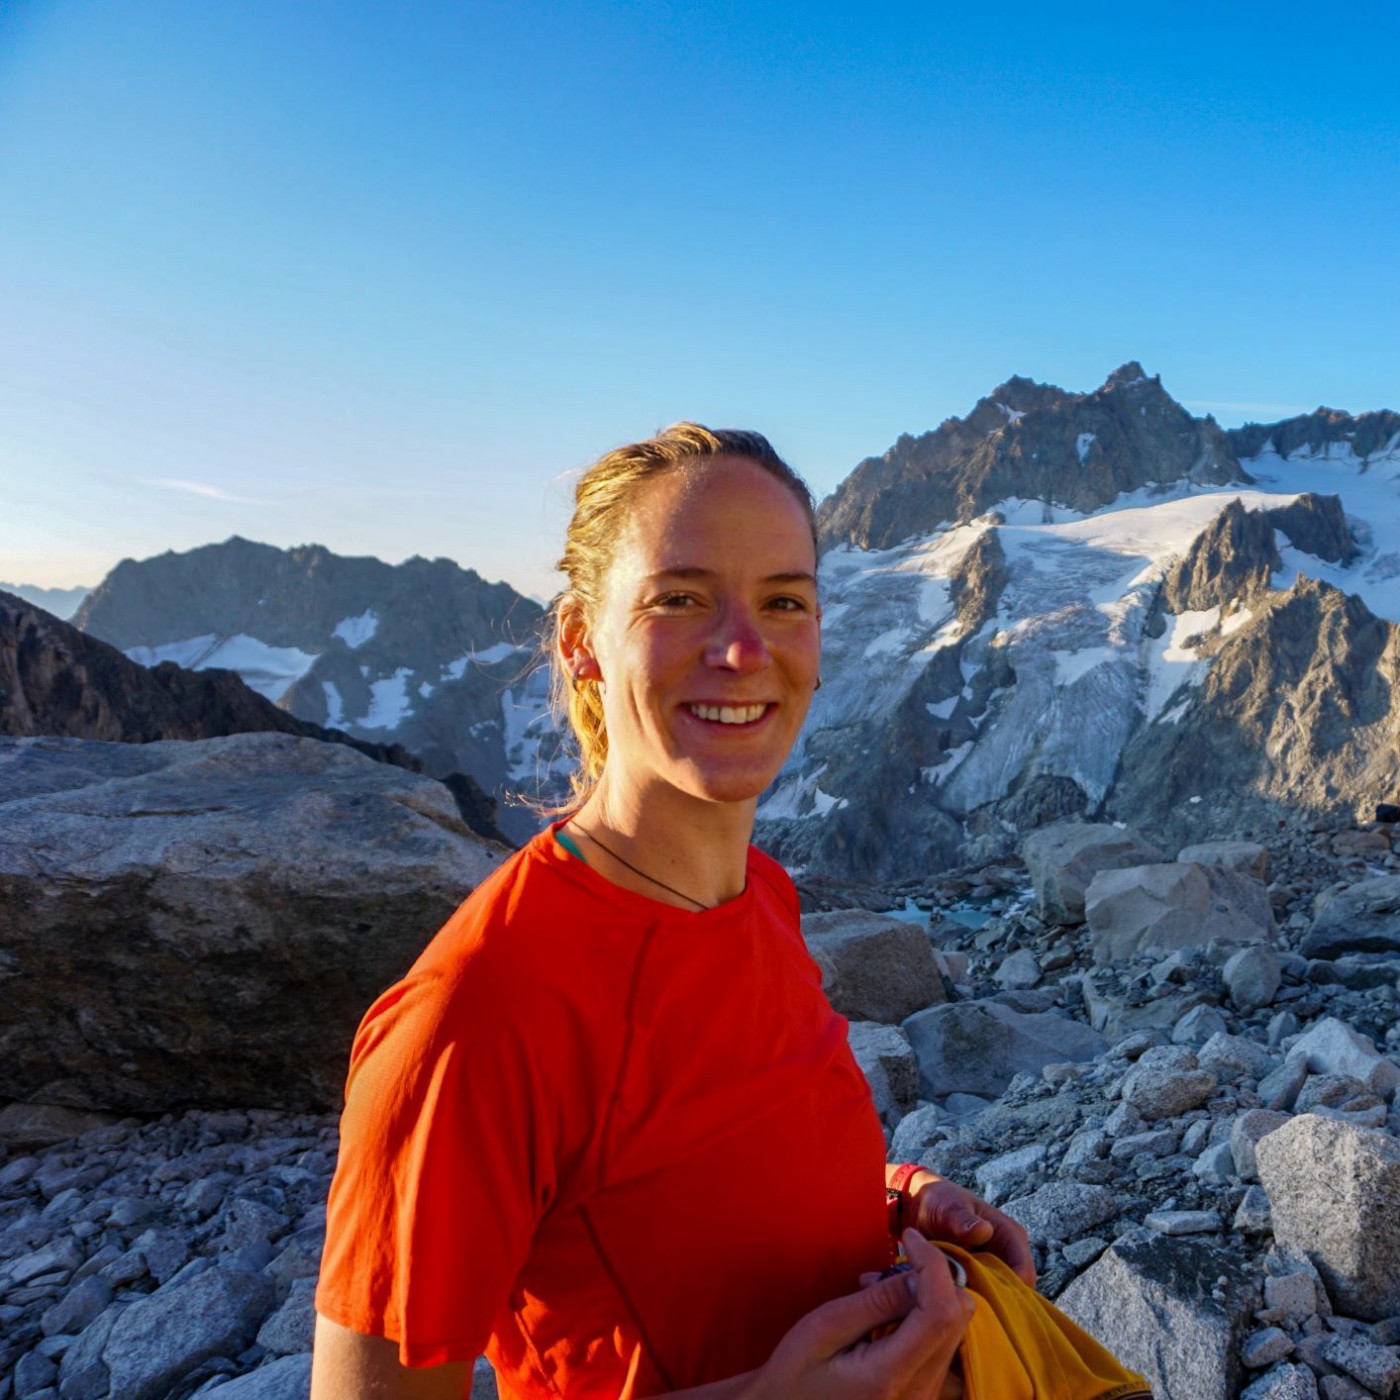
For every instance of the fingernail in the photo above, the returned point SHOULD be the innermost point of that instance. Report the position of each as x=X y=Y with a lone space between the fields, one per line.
x=911 y=1282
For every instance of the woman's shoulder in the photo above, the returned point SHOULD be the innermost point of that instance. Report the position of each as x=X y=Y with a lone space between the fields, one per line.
x=532 y=922
x=771 y=878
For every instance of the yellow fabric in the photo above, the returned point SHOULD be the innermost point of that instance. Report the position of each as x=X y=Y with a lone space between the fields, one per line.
x=1020 y=1346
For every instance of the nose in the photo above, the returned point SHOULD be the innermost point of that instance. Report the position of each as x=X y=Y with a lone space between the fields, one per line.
x=737 y=643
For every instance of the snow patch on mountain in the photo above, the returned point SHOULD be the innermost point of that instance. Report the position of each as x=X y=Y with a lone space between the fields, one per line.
x=335 y=706
x=389 y=704
x=356 y=631
x=271 y=671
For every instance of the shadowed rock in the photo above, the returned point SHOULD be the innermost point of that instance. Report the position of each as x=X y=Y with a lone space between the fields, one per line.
x=204 y=923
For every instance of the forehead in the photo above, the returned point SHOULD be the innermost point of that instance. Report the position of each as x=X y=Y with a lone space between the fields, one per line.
x=717 y=506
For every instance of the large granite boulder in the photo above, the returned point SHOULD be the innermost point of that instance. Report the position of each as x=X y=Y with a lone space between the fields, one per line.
x=874 y=967
x=1179 y=904
x=976 y=1047
x=1171 y=1307
x=1243 y=857
x=203 y=923
x=1362 y=918
x=1064 y=858
x=1334 y=1190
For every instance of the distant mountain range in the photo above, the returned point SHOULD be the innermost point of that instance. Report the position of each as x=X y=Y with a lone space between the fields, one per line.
x=61 y=602
x=58 y=681
x=425 y=654
x=1062 y=603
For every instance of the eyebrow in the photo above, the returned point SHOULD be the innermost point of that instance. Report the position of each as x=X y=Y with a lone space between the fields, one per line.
x=796 y=576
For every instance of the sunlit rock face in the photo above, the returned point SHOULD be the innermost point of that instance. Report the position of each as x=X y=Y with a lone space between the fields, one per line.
x=424 y=654
x=1161 y=634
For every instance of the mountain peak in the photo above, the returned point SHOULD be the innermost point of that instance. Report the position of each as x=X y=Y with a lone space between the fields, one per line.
x=1130 y=373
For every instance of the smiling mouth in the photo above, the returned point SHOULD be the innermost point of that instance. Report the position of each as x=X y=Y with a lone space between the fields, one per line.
x=729 y=714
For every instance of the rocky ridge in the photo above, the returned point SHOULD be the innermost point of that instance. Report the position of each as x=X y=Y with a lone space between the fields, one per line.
x=424 y=654
x=56 y=680
x=1032 y=441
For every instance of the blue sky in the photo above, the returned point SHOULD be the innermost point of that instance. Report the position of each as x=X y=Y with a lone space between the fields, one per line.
x=380 y=275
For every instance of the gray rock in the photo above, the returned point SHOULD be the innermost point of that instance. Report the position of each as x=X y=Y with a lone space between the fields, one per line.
x=1064 y=857
x=1063 y=1209
x=483 y=1381
x=1263 y=1348
x=82 y=1375
x=874 y=967
x=1280 y=1088
x=159 y=1339
x=272 y=863
x=1341 y=1388
x=1234 y=1057
x=1254 y=1216
x=34 y=1375
x=288 y=1378
x=292 y=1328
x=1375 y=1367
x=1174 y=1309
x=27 y=1126
x=1166 y=1081
x=1216 y=1164
x=60 y=1257
x=1200 y=1024
x=1253 y=976
x=1018 y=972
x=1183 y=1222
x=1335 y=1194
x=1292 y=1295
x=1084 y=1251
x=78 y=1307
x=1243 y=857
x=1006 y=1175
x=914 y=1133
x=1159 y=908
x=1363 y=918
x=976 y=1047
x=1283 y=1383
x=1332 y=1047
x=1338 y=1091
x=887 y=1060
x=1246 y=1132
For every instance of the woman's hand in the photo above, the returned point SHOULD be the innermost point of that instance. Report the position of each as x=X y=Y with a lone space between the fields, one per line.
x=828 y=1353
x=942 y=1210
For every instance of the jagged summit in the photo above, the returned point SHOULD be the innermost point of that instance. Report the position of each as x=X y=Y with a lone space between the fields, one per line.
x=1029 y=441
x=1326 y=432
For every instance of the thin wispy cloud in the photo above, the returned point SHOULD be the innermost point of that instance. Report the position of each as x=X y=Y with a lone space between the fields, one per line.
x=203 y=488
x=1270 y=410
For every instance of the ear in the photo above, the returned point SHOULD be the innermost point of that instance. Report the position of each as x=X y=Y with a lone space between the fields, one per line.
x=573 y=640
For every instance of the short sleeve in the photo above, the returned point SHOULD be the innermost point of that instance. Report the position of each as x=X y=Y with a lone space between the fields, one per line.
x=446 y=1165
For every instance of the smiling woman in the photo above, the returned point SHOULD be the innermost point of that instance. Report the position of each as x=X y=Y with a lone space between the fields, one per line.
x=608 y=1128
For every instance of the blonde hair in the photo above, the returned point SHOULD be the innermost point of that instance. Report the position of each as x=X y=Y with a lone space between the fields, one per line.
x=603 y=499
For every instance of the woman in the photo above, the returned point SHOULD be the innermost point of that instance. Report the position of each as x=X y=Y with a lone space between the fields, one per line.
x=608 y=1128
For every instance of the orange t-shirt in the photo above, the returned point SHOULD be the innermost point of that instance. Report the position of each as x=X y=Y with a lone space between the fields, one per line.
x=619 y=1146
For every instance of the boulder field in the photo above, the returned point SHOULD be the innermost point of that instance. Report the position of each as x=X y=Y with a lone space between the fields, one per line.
x=1200 y=1134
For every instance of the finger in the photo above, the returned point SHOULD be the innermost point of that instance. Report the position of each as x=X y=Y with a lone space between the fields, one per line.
x=933 y=1330
x=844 y=1321
x=1010 y=1242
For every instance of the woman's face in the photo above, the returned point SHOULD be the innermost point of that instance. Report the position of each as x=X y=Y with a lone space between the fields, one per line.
x=707 y=637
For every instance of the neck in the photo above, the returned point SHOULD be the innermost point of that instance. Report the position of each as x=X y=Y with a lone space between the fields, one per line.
x=698 y=849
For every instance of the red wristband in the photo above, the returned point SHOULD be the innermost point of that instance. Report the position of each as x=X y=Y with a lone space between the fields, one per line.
x=897 y=1189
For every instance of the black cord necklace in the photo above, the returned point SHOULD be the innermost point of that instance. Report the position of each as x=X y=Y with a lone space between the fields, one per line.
x=622 y=860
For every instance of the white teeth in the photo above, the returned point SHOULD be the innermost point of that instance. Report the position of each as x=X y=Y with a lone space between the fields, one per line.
x=729 y=714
